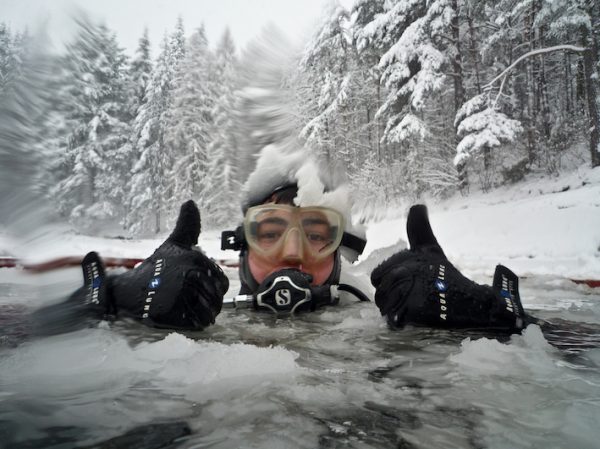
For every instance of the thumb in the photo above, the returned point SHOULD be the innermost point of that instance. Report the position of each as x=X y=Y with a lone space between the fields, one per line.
x=188 y=226
x=420 y=234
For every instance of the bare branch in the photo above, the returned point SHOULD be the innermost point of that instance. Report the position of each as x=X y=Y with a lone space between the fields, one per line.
x=538 y=51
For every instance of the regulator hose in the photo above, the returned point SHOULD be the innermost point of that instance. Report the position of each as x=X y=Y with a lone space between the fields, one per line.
x=356 y=292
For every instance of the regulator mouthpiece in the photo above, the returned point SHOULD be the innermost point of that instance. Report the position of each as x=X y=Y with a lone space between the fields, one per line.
x=285 y=291
x=289 y=291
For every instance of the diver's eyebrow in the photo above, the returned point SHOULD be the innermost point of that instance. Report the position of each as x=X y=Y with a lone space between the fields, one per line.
x=273 y=220
x=314 y=221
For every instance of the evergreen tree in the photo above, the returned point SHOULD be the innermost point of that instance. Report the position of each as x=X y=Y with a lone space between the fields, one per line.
x=482 y=128
x=12 y=48
x=25 y=101
x=326 y=65
x=412 y=67
x=222 y=199
x=407 y=43
x=149 y=190
x=190 y=122
x=368 y=54
x=140 y=72
x=97 y=152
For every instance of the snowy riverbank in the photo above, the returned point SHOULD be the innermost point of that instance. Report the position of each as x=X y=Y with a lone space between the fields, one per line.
x=544 y=227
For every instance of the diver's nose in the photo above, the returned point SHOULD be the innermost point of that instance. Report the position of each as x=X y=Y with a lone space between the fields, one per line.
x=292 y=247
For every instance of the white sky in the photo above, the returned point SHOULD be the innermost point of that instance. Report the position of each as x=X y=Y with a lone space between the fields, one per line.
x=128 y=18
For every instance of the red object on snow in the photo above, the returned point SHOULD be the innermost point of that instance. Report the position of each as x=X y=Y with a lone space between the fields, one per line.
x=74 y=261
x=588 y=282
x=112 y=262
x=8 y=262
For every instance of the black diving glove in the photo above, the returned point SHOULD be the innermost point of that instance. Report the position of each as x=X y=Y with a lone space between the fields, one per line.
x=420 y=286
x=91 y=301
x=176 y=287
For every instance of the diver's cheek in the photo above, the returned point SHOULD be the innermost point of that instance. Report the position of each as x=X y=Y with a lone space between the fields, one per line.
x=321 y=271
x=259 y=267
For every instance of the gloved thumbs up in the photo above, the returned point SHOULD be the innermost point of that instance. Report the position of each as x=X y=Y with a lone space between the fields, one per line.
x=420 y=286
x=420 y=234
x=188 y=226
x=177 y=286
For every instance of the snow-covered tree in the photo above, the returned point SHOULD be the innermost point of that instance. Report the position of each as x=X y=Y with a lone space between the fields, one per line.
x=25 y=133
x=12 y=48
x=482 y=127
x=325 y=63
x=413 y=46
x=148 y=192
x=368 y=54
x=189 y=122
x=97 y=151
x=140 y=71
x=221 y=203
x=413 y=67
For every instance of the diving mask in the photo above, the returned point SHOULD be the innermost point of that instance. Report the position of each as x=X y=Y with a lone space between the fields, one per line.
x=267 y=226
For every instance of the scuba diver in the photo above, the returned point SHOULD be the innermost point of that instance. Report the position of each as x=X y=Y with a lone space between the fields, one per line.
x=296 y=231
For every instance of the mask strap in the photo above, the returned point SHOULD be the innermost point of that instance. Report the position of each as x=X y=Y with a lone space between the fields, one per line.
x=234 y=240
x=353 y=242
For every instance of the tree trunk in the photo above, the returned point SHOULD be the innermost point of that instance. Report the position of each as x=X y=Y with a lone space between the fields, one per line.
x=378 y=123
x=594 y=121
x=580 y=84
x=593 y=9
x=567 y=66
x=474 y=53
x=543 y=90
x=589 y=39
x=157 y=221
x=459 y=88
x=532 y=147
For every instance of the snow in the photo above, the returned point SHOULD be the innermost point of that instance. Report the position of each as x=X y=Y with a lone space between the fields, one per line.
x=547 y=226
x=486 y=129
x=534 y=228
x=280 y=165
x=409 y=126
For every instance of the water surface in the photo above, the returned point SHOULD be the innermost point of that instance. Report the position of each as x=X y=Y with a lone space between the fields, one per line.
x=330 y=379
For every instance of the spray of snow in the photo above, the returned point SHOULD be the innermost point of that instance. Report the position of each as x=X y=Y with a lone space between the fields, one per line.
x=288 y=163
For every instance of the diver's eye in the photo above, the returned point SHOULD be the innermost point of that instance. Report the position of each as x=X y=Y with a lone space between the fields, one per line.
x=269 y=233
x=269 y=236
x=315 y=237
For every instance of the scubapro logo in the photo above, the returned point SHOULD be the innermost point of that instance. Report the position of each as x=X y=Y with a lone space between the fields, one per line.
x=283 y=297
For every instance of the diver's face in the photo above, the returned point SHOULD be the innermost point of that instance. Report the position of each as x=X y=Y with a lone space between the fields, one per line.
x=282 y=236
x=261 y=267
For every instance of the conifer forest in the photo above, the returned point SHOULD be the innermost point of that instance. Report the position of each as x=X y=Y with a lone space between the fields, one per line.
x=411 y=98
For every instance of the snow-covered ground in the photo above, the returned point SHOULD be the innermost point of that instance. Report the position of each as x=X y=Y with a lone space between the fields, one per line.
x=548 y=226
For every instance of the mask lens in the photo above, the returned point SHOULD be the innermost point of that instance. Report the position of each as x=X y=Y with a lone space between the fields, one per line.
x=270 y=229
x=266 y=227
x=320 y=230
